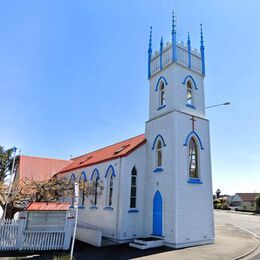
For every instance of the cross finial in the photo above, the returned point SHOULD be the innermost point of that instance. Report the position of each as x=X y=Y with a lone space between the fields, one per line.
x=173 y=22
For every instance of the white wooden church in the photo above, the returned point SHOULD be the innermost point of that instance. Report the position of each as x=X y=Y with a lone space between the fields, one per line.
x=157 y=184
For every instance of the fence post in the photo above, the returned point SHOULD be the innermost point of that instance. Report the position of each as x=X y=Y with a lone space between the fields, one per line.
x=21 y=228
x=68 y=230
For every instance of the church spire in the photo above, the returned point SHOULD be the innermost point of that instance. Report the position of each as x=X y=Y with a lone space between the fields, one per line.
x=174 y=48
x=150 y=53
x=189 y=50
x=202 y=51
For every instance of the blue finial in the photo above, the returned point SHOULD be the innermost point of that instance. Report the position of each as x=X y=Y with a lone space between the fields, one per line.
x=173 y=22
x=174 y=40
x=161 y=51
x=150 y=53
x=201 y=36
x=150 y=39
x=189 y=51
x=202 y=51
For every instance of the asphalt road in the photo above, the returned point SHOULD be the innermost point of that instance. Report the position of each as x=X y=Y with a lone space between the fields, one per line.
x=248 y=222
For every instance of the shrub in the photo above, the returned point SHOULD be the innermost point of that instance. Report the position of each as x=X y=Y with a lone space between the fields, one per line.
x=257 y=203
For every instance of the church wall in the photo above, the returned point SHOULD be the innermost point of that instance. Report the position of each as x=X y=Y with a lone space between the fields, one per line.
x=130 y=220
x=100 y=218
x=194 y=209
x=163 y=181
x=175 y=92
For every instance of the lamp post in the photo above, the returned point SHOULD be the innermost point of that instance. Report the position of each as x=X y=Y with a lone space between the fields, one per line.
x=217 y=105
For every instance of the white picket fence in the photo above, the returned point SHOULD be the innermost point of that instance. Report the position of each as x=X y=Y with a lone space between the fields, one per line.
x=14 y=236
x=8 y=234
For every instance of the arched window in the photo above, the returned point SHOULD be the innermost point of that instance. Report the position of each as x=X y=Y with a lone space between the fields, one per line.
x=95 y=180
x=71 y=182
x=82 y=180
x=193 y=159
x=189 y=100
x=159 y=154
x=110 y=190
x=161 y=94
x=133 y=188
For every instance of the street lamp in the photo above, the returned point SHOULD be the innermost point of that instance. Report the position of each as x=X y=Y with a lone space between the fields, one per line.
x=222 y=104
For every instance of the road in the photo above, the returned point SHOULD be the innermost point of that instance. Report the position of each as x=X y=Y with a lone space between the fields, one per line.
x=249 y=222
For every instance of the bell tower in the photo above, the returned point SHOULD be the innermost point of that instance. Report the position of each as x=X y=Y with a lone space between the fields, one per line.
x=178 y=164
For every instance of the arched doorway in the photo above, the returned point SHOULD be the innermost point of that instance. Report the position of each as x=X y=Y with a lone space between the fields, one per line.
x=157 y=214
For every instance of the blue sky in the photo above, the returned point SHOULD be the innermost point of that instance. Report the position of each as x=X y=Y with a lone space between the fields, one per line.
x=73 y=76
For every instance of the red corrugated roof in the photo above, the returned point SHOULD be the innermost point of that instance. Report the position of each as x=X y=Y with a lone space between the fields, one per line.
x=111 y=152
x=38 y=169
x=248 y=196
x=48 y=206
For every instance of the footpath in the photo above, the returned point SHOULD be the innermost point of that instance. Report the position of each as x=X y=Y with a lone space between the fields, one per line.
x=231 y=243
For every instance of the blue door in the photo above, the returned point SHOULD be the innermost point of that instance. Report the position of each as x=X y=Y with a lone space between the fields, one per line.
x=157 y=214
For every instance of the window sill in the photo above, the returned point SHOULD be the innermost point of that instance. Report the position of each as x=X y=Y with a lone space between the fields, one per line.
x=194 y=181
x=93 y=207
x=158 y=169
x=108 y=208
x=133 y=210
x=161 y=107
x=190 y=106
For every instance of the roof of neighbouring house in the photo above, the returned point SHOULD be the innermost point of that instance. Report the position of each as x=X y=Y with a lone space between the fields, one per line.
x=38 y=168
x=48 y=206
x=111 y=152
x=247 y=196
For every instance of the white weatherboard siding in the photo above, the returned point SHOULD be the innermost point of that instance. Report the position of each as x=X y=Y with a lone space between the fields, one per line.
x=100 y=218
x=131 y=224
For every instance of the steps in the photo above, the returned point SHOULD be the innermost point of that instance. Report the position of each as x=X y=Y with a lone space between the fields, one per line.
x=147 y=242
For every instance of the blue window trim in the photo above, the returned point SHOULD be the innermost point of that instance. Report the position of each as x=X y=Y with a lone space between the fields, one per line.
x=155 y=140
x=192 y=79
x=190 y=135
x=158 y=82
x=158 y=169
x=81 y=207
x=95 y=171
x=191 y=106
x=133 y=211
x=72 y=177
x=113 y=171
x=108 y=208
x=161 y=107
x=83 y=176
x=194 y=181
x=93 y=207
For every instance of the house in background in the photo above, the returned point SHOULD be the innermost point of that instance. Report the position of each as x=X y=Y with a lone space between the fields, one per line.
x=37 y=168
x=244 y=201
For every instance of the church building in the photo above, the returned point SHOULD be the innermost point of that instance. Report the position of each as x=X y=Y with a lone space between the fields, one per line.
x=157 y=184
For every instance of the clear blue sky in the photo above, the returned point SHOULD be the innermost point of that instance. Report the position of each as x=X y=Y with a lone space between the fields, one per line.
x=73 y=76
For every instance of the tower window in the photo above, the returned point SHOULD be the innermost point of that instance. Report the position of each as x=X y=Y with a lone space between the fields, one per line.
x=133 y=188
x=189 y=100
x=159 y=154
x=162 y=94
x=193 y=159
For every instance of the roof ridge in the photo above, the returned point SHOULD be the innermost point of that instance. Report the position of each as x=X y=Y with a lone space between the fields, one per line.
x=77 y=157
x=45 y=158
